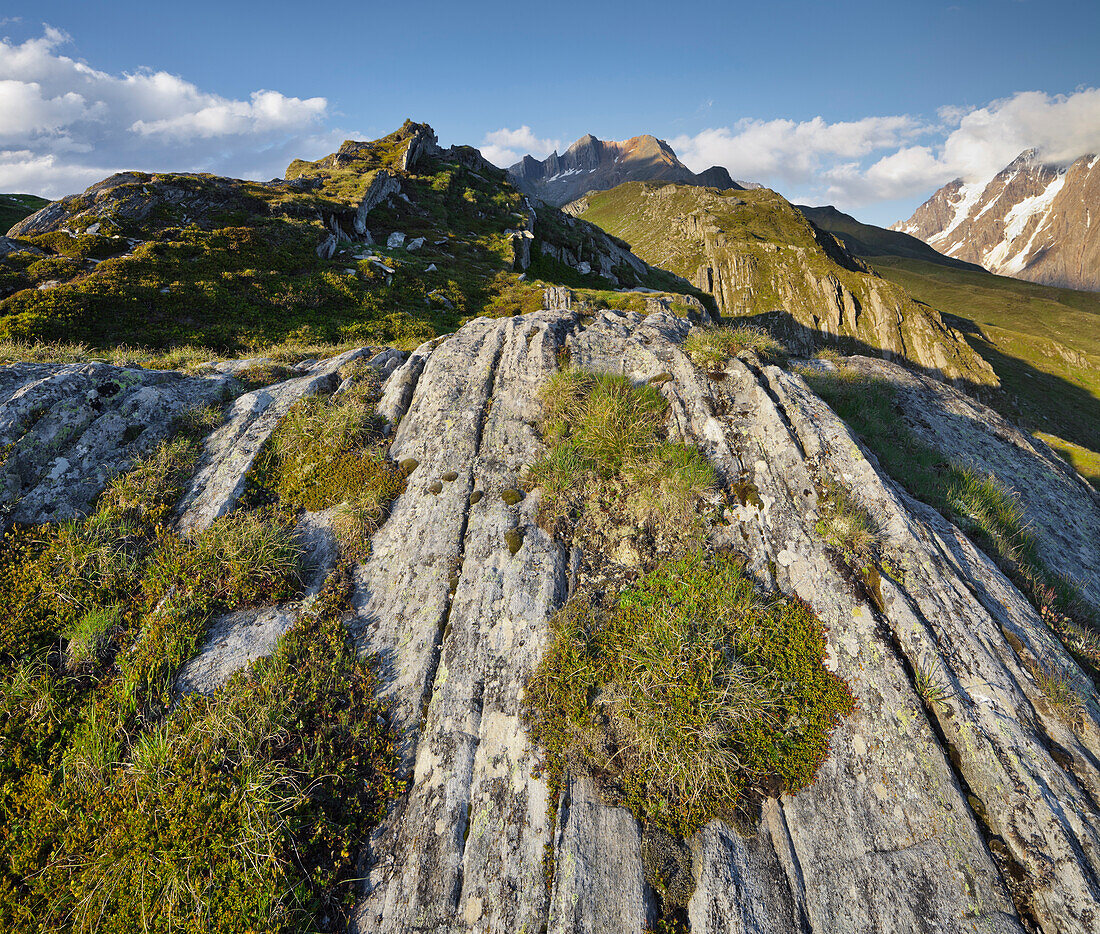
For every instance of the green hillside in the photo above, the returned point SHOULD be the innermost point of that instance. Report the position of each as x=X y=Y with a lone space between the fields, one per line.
x=760 y=257
x=178 y=259
x=13 y=208
x=1043 y=342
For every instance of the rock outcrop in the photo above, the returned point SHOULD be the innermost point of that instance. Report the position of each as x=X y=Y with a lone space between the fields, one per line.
x=1032 y=220
x=977 y=808
x=592 y=164
x=66 y=430
x=978 y=811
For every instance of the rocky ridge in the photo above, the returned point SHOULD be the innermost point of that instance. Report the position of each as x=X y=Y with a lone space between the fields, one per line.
x=395 y=239
x=757 y=255
x=592 y=164
x=1032 y=220
x=978 y=809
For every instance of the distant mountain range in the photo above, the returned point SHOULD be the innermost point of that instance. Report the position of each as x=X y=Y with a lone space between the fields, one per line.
x=592 y=164
x=1032 y=220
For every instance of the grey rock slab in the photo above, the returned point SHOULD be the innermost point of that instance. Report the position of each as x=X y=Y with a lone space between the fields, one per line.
x=1062 y=508
x=599 y=883
x=66 y=430
x=459 y=623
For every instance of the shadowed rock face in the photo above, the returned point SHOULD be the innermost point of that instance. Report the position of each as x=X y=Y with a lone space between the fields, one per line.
x=979 y=812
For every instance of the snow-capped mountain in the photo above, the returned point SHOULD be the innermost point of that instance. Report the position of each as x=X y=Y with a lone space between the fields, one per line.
x=1032 y=220
x=592 y=164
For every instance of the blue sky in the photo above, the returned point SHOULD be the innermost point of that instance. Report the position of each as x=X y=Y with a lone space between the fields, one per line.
x=867 y=105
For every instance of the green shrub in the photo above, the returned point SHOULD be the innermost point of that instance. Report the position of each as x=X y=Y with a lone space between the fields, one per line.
x=688 y=693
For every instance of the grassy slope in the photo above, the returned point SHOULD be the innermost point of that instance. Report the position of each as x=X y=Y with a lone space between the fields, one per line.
x=1043 y=342
x=779 y=260
x=13 y=208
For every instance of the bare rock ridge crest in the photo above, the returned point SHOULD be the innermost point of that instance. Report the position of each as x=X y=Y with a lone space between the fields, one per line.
x=978 y=812
x=1032 y=220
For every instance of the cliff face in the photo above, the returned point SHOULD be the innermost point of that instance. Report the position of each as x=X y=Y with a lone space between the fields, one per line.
x=758 y=255
x=975 y=805
x=1032 y=220
x=592 y=164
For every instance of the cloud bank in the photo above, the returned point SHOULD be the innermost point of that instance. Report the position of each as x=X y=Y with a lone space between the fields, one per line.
x=898 y=157
x=854 y=164
x=64 y=124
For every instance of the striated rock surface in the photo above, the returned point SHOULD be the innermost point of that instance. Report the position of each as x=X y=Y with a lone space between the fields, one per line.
x=976 y=813
x=1066 y=506
x=231 y=449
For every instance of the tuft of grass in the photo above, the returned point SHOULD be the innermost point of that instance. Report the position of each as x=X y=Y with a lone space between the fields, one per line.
x=606 y=448
x=710 y=348
x=980 y=504
x=89 y=637
x=329 y=451
x=688 y=694
x=929 y=682
x=845 y=524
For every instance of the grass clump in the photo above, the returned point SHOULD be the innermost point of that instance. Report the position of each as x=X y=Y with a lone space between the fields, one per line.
x=710 y=348
x=978 y=503
x=330 y=451
x=689 y=694
x=845 y=524
x=606 y=446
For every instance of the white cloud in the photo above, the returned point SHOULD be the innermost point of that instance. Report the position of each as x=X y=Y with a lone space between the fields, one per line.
x=506 y=147
x=791 y=151
x=879 y=159
x=64 y=124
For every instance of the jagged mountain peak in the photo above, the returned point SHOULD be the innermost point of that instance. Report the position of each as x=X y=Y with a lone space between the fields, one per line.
x=592 y=164
x=1032 y=220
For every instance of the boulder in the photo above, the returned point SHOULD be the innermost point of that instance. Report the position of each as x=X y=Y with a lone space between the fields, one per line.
x=395 y=240
x=66 y=430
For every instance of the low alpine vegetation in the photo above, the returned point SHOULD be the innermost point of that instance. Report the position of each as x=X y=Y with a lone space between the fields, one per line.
x=710 y=348
x=125 y=807
x=844 y=523
x=607 y=450
x=689 y=694
x=329 y=451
